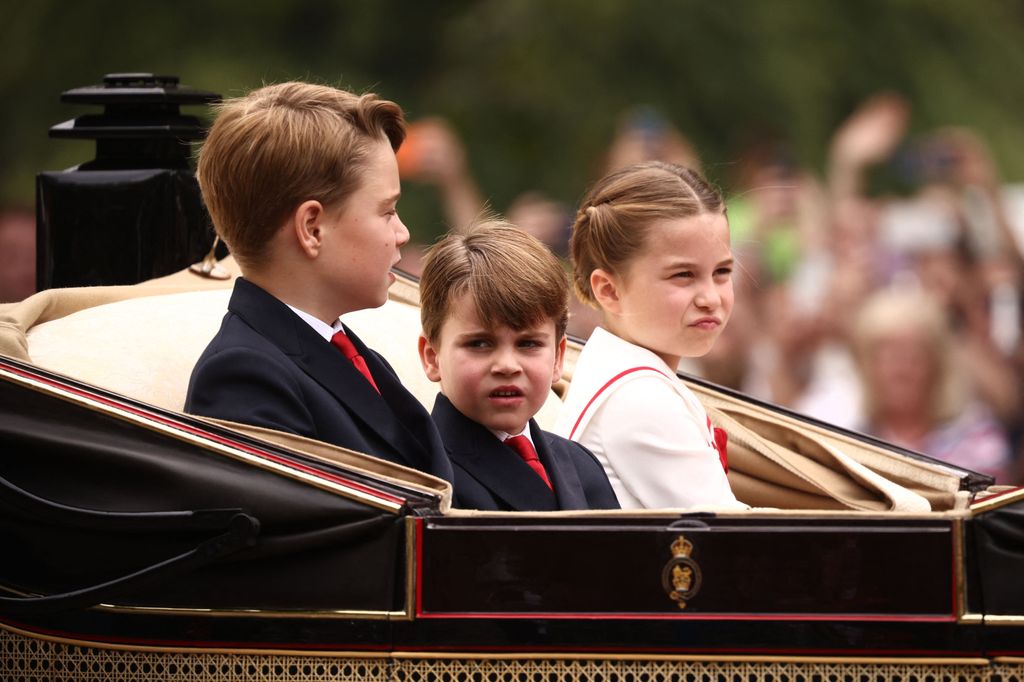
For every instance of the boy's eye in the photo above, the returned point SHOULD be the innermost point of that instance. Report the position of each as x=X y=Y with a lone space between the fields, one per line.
x=477 y=343
x=530 y=343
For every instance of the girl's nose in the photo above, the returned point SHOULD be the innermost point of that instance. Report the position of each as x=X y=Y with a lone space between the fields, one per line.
x=708 y=296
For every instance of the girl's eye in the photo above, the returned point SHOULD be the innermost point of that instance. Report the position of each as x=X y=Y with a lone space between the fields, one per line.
x=723 y=273
x=684 y=274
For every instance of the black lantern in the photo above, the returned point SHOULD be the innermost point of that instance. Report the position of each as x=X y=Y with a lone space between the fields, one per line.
x=135 y=211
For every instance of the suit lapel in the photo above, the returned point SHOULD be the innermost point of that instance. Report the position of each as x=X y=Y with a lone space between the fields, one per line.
x=410 y=423
x=561 y=470
x=329 y=368
x=496 y=466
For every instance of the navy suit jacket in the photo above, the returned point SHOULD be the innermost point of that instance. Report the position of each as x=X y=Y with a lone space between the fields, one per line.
x=490 y=475
x=268 y=367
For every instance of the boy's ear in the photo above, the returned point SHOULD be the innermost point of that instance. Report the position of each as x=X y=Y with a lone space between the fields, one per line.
x=556 y=375
x=606 y=290
x=306 y=224
x=428 y=358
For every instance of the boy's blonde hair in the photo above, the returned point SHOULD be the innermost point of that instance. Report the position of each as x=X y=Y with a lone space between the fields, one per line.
x=280 y=145
x=611 y=223
x=512 y=278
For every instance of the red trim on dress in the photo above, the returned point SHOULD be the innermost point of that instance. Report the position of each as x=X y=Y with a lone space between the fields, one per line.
x=602 y=390
x=719 y=438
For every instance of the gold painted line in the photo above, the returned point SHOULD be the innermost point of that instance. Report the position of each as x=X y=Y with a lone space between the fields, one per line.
x=1003 y=620
x=106 y=646
x=182 y=435
x=339 y=614
x=410 y=569
x=286 y=471
x=697 y=658
x=959 y=569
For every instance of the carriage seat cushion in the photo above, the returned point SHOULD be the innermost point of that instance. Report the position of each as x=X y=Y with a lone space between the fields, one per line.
x=146 y=347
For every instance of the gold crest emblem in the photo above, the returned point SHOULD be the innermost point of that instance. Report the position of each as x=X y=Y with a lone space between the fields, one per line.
x=681 y=577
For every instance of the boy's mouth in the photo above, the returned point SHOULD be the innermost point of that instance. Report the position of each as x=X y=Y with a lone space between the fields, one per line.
x=506 y=392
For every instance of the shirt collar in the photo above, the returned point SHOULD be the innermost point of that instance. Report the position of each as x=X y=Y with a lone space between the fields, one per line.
x=319 y=326
x=502 y=435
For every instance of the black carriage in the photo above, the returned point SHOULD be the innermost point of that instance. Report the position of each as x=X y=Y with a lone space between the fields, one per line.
x=140 y=542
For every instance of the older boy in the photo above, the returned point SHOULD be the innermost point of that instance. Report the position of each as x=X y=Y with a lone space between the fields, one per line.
x=494 y=306
x=301 y=182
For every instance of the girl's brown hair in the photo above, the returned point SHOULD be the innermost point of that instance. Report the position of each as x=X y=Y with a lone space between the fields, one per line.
x=611 y=223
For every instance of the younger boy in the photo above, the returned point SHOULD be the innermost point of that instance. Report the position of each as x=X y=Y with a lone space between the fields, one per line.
x=301 y=182
x=494 y=306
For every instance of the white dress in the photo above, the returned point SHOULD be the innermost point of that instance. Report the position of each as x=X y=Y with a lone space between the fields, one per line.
x=648 y=430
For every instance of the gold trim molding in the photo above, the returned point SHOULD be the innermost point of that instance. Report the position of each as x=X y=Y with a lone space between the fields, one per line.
x=997 y=501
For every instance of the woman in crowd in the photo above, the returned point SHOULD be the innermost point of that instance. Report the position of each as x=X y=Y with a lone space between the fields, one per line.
x=913 y=394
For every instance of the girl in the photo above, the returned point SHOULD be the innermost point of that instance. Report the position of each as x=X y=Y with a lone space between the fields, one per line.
x=650 y=250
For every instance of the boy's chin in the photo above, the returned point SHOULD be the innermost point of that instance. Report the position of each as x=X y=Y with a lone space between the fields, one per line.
x=513 y=427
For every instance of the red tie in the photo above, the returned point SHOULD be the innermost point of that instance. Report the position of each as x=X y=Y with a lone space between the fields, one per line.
x=345 y=345
x=524 y=448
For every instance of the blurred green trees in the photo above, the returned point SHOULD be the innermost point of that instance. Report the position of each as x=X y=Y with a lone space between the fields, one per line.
x=536 y=88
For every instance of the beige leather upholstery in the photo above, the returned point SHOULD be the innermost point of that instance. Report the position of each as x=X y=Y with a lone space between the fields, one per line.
x=143 y=341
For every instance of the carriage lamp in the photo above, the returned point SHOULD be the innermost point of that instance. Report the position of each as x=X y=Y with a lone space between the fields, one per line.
x=134 y=212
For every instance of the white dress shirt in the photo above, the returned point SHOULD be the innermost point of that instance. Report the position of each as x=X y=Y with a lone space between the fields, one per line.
x=319 y=326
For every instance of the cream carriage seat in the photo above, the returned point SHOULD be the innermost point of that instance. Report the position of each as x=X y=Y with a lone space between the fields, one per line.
x=143 y=341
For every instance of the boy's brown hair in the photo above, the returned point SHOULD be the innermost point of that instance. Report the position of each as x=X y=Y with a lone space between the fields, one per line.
x=510 y=275
x=611 y=223
x=283 y=144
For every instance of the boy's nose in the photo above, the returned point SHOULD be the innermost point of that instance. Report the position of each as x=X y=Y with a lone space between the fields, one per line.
x=401 y=233
x=505 y=362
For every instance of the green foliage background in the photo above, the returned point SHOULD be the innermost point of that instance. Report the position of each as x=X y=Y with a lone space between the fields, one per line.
x=535 y=87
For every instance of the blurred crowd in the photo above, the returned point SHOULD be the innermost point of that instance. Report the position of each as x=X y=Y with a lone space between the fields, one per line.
x=883 y=297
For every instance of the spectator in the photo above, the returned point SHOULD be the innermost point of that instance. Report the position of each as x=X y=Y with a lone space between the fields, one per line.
x=17 y=255
x=915 y=394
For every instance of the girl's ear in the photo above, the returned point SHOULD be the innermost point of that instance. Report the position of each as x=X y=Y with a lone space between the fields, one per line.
x=606 y=290
x=307 y=228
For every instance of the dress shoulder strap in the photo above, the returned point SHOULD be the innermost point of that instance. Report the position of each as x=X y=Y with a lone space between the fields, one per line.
x=608 y=384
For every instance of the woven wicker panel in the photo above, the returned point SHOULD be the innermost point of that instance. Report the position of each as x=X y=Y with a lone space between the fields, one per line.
x=25 y=659
x=546 y=670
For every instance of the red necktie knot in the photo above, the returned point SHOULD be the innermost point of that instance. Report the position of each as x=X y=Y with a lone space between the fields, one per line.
x=345 y=345
x=524 y=448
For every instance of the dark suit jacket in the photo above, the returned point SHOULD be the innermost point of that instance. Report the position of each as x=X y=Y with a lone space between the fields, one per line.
x=490 y=475
x=268 y=367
